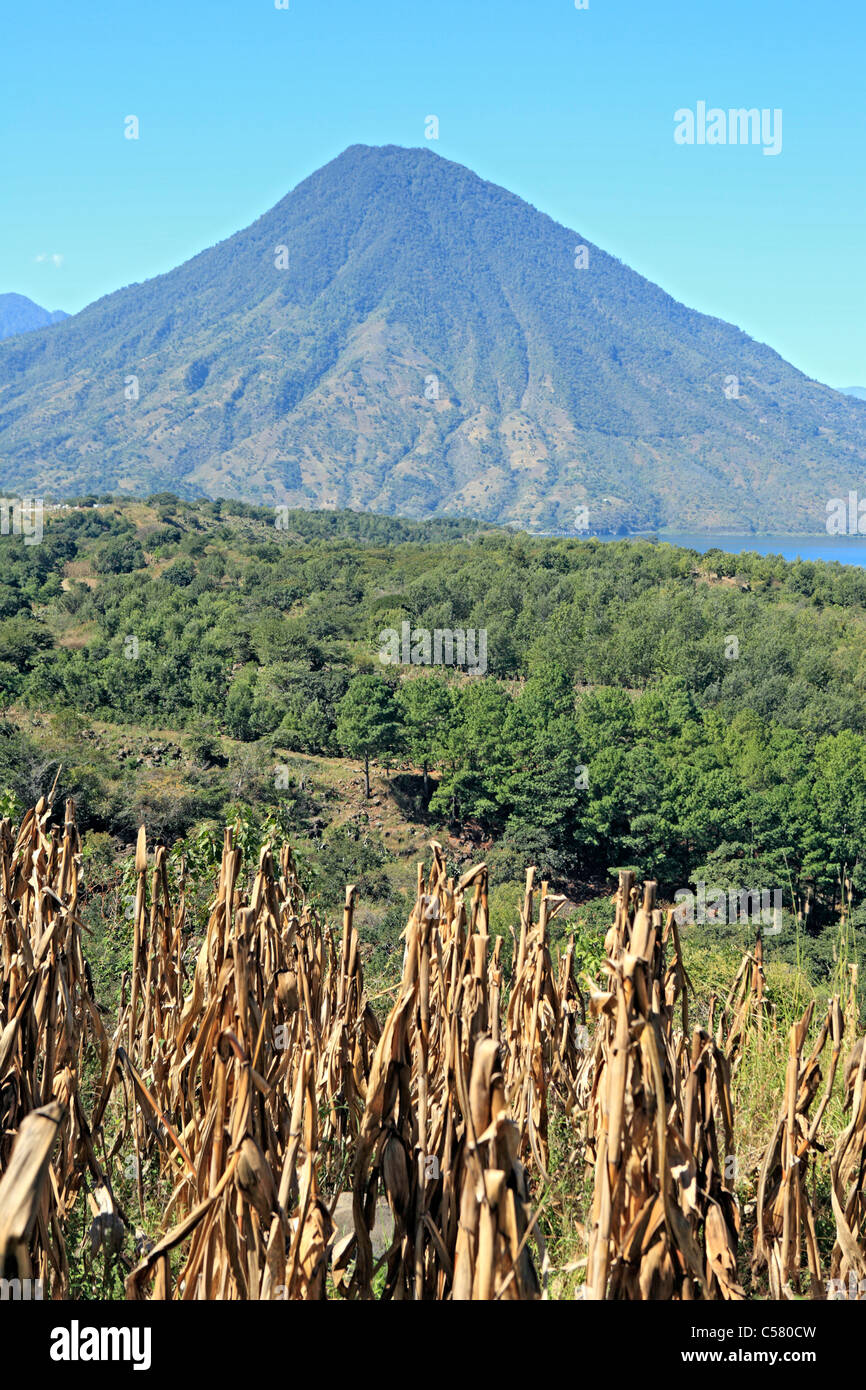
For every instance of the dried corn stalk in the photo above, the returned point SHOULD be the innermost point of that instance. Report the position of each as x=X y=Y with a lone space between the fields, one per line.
x=50 y=1026
x=745 y=1008
x=23 y=1189
x=664 y=1221
x=271 y=1046
x=848 y=1185
x=542 y=1044
x=786 y=1219
x=437 y=1134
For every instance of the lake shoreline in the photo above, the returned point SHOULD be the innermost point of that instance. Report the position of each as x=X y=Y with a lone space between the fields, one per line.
x=792 y=546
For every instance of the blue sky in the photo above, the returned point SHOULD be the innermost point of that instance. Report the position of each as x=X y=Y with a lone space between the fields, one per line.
x=572 y=109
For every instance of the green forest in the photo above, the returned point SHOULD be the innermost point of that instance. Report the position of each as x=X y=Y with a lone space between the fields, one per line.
x=696 y=718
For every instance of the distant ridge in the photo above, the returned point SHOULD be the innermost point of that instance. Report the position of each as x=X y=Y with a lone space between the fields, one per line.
x=18 y=314
x=859 y=392
x=399 y=335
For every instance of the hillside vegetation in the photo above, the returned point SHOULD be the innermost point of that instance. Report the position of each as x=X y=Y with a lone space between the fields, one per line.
x=700 y=719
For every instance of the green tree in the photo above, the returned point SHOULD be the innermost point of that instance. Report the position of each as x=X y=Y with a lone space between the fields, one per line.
x=368 y=721
x=239 y=704
x=119 y=555
x=475 y=756
x=840 y=798
x=426 y=705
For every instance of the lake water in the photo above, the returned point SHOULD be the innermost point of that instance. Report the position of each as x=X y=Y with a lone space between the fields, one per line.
x=848 y=550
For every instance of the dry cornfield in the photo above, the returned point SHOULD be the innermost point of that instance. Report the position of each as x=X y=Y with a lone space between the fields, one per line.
x=250 y=1128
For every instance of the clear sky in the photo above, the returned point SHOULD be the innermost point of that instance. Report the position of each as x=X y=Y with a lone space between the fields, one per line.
x=572 y=109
